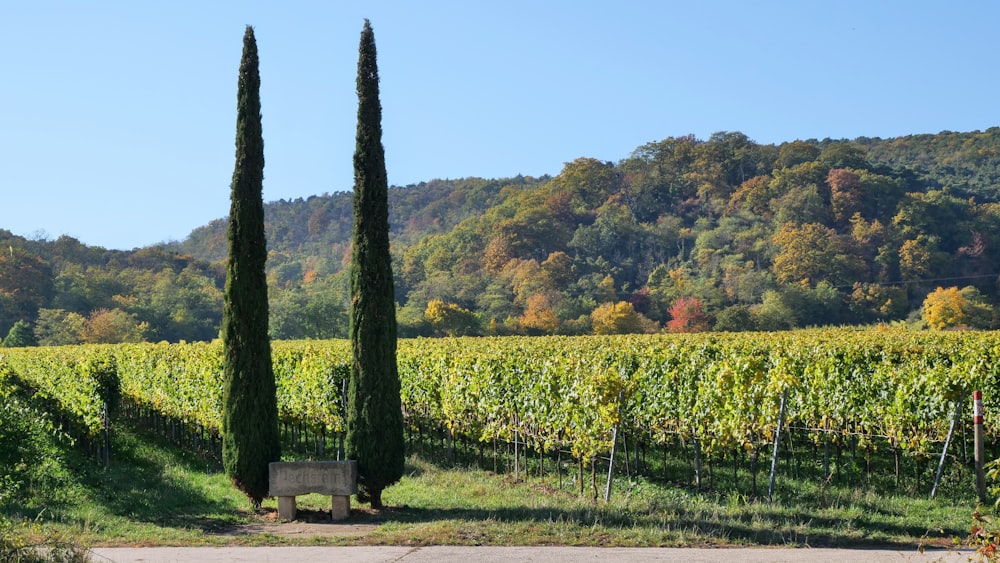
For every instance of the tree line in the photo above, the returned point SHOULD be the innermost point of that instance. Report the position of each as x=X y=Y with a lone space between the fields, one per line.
x=683 y=234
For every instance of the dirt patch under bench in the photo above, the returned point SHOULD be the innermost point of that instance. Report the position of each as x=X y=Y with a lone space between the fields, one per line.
x=308 y=524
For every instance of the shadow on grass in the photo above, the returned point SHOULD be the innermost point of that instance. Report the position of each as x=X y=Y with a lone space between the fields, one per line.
x=664 y=518
x=601 y=527
x=152 y=482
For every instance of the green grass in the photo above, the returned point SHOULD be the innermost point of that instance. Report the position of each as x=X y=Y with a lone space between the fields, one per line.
x=154 y=494
x=151 y=494
x=461 y=506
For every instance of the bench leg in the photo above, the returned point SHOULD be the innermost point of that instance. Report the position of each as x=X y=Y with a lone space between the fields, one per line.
x=341 y=507
x=286 y=508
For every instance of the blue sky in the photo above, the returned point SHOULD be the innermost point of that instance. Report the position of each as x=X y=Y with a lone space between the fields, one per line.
x=117 y=119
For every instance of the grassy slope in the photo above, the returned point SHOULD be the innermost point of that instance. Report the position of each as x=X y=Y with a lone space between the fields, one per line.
x=156 y=495
x=151 y=494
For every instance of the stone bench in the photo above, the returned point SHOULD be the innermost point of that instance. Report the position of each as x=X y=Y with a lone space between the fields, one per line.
x=339 y=479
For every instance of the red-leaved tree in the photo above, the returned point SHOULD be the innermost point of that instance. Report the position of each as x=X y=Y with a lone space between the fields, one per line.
x=687 y=314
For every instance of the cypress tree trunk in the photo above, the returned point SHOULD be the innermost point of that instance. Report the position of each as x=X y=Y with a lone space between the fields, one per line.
x=250 y=438
x=374 y=411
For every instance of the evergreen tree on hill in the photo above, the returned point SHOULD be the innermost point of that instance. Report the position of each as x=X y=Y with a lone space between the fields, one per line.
x=20 y=335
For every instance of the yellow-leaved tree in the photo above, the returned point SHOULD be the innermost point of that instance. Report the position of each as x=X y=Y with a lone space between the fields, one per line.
x=450 y=319
x=620 y=318
x=539 y=317
x=953 y=307
x=112 y=327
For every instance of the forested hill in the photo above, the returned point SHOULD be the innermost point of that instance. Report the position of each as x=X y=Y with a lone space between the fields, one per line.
x=683 y=234
x=313 y=225
x=968 y=163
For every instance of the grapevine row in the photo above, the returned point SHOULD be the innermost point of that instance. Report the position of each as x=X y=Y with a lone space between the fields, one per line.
x=571 y=392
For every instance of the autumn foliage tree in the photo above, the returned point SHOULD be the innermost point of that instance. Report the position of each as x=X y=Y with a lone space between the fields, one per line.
x=812 y=252
x=916 y=257
x=539 y=317
x=954 y=307
x=113 y=326
x=687 y=314
x=450 y=319
x=944 y=308
x=845 y=194
x=619 y=318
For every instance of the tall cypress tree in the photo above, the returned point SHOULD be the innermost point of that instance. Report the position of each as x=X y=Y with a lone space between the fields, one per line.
x=374 y=412
x=250 y=438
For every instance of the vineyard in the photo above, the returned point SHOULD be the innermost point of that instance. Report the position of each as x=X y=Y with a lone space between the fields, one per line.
x=697 y=397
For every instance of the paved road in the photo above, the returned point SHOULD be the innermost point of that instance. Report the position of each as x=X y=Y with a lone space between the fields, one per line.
x=438 y=554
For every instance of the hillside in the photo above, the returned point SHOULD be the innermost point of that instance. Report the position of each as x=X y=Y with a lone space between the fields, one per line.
x=968 y=163
x=683 y=234
x=303 y=226
x=772 y=237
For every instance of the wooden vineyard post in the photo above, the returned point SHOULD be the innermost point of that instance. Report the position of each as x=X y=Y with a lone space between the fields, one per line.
x=106 y=445
x=614 y=443
x=697 y=460
x=977 y=422
x=517 y=455
x=777 y=442
x=611 y=462
x=947 y=443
